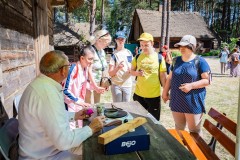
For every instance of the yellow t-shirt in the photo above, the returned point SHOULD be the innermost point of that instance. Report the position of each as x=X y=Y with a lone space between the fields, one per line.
x=148 y=86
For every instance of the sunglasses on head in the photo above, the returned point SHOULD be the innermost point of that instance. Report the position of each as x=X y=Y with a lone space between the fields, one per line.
x=104 y=35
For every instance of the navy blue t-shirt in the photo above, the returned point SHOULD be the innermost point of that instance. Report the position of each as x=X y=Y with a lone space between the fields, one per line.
x=186 y=72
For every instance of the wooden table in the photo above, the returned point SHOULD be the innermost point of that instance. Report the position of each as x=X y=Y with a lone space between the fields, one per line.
x=162 y=145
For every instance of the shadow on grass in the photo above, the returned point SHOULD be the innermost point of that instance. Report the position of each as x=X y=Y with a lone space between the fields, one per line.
x=220 y=75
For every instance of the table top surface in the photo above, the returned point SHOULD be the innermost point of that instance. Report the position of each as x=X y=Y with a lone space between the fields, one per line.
x=162 y=144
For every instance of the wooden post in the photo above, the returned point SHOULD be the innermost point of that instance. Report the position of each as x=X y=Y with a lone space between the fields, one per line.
x=237 y=148
x=113 y=134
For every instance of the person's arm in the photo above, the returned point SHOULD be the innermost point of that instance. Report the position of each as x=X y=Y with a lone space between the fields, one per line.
x=54 y=119
x=92 y=80
x=162 y=72
x=165 y=93
x=163 y=76
x=114 y=69
x=90 y=77
x=169 y=57
x=203 y=82
x=186 y=87
x=134 y=71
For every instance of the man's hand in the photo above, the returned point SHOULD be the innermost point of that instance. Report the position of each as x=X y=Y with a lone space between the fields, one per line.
x=83 y=114
x=97 y=124
x=80 y=115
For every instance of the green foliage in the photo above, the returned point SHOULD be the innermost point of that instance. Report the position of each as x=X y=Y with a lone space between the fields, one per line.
x=176 y=53
x=230 y=45
x=121 y=13
x=212 y=53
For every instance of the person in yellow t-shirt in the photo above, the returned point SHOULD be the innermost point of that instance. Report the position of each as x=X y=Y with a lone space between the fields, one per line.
x=149 y=74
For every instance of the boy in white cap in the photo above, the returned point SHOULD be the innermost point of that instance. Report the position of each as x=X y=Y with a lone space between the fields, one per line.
x=149 y=72
x=187 y=80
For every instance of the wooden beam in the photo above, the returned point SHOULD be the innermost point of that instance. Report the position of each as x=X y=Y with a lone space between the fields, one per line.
x=113 y=134
x=57 y=2
x=175 y=134
x=192 y=146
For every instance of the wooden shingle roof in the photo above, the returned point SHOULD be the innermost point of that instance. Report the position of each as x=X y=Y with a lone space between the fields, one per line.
x=181 y=23
x=70 y=34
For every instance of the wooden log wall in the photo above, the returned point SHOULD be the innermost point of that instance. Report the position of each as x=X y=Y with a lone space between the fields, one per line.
x=24 y=38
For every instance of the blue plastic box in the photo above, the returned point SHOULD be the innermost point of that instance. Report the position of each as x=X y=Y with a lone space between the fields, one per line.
x=132 y=141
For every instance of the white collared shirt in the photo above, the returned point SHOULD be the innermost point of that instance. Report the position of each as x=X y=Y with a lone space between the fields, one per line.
x=44 y=123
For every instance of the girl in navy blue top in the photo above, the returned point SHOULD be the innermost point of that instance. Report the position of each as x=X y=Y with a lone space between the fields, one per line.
x=187 y=80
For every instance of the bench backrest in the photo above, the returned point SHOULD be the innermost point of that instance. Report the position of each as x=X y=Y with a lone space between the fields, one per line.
x=218 y=134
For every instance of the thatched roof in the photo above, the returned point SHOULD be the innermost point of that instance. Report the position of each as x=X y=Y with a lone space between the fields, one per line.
x=70 y=4
x=181 y=23
x=70 y=34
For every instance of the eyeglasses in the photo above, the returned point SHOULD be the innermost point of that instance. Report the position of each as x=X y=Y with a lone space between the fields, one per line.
x=69 y=65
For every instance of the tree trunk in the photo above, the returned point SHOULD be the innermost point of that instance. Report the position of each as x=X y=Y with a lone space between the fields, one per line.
x=194 y=5
x=168 y=23
x=92 y=17
x=66 y=16
x=224 y=15
x=189 y=5
x=229 y=15
x=234 y=16
x=163 y=23
x=238 y=22
x=102 y=13
x=55 y=12
x=213 y=14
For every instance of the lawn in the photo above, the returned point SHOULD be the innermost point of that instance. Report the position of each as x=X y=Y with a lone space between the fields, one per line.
x=222 y=94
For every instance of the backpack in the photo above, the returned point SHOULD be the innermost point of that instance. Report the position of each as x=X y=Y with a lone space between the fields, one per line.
x=235 y=59
x=159 y=62
x=115 y=58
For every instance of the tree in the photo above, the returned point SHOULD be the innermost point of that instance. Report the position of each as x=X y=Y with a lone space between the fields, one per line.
x=102 y=13
x=168 y=22
x=92 y=17
x=163 y=29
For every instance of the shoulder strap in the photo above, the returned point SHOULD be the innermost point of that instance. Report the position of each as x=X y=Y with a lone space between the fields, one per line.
x=174 y=62
x=159 y=59
x=137 y=58
x=114 y=58
x=197 y=64
x=98 y=56
x=159 y=63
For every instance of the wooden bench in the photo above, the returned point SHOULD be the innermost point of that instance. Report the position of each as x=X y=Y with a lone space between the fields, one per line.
x=185 y=139
x=191 y=139
x=218 y=134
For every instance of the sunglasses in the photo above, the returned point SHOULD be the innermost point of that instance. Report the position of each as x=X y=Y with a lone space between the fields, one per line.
x=103 y=35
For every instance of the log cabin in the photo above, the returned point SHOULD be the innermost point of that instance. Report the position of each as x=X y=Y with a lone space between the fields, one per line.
x=26 y=28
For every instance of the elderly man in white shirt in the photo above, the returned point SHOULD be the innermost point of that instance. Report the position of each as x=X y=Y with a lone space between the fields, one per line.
x=44 y=131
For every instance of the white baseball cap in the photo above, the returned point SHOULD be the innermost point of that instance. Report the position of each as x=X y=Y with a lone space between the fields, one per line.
x=186 y=40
